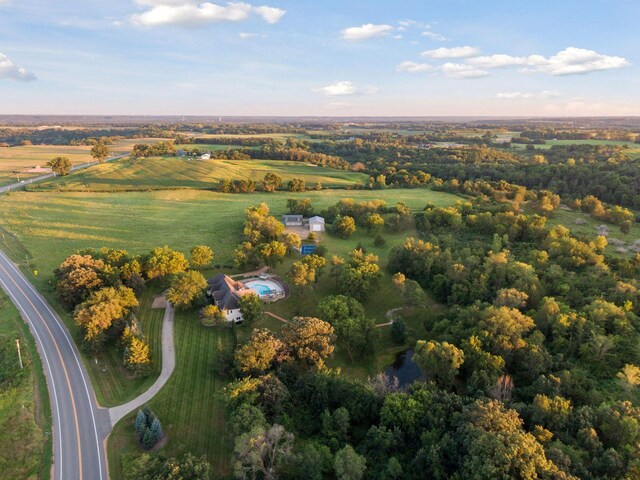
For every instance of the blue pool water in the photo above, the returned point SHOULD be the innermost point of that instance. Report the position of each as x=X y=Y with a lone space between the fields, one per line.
x=261 y=289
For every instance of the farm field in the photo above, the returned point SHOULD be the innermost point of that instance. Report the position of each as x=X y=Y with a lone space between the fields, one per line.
x=550 y=143
x=190 y=406
x=131 y=174
x=25 y=157
x=49 y=226
x=25 y=416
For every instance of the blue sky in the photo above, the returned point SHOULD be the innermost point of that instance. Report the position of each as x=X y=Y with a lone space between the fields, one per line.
x=319 y=57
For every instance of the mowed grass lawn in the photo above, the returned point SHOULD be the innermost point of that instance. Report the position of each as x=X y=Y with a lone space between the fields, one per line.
x=25 y=416
x=179 y=172
x=25 y=157
x=190 y=406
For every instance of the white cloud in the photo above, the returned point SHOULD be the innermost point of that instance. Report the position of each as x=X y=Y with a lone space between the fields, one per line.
x=4 y=2
x=461 y=70
x=10 y=70
x=454 y=52
x=344 y=88
x=397 y=37
x=499 y=60
x=434 y=36
x=366 y=31
x=270 y=14
x=569 y=61
x=414 y=67
x=572 y=61
x=190 y=13
x=529 y=95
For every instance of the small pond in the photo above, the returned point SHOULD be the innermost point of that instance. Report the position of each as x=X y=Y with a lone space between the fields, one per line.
x=404 y=368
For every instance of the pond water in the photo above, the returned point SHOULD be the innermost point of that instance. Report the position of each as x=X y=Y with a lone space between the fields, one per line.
x=404 y=368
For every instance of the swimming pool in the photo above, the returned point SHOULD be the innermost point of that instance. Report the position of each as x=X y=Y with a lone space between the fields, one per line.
x=265 y=288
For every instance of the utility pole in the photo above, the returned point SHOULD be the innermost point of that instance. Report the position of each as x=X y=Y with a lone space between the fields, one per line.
x=19 y=353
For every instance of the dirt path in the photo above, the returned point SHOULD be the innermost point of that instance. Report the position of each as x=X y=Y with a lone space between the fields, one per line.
x=283 y=320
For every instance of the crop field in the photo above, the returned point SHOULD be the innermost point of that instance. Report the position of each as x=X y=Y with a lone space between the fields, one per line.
x=20 y=158
x=49 y=226
x=132 y=174
x=190 y=406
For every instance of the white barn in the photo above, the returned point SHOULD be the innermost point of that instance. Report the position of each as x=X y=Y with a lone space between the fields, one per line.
x=316 y=224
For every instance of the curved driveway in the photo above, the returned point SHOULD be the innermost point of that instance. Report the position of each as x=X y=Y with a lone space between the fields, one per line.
x=79 y=425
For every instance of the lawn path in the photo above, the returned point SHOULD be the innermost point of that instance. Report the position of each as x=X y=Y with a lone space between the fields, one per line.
x=168 y=365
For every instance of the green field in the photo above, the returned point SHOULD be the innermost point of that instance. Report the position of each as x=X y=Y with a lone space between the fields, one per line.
x=25 y=416
x=132 y=174
x=190 y=406
x=549 y=143
x=50 y=226
x=20 y=158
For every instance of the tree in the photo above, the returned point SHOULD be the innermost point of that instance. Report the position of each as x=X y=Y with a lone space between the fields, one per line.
x=399 y=331
x=301 y=275
x=296 y=185
x=201 y=255
x=348 y=465
x=271 y=182
x=156 y=430
x=259 y=353
x=345 y=226
x=301 y=206
x=361 y=275
x=440 y=361
x=164 y=261
x=262 y=451
x=185 y=288
x=250 y=308
x=272 y=253
x=102 y=308
x=187 y=467
x=504 y=327
x=347 y=317
x=374 y=223
x=629 y=377
x=291 y=241
x=137 y=356
x=309 y=339
x=211 y=315
x=497 y=446
x=60 y=165
x=100 y=152
x=77 y=277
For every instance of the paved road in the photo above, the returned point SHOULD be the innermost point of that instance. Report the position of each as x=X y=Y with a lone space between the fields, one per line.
x=15 y=186
x=79 y=425
x=168 y=364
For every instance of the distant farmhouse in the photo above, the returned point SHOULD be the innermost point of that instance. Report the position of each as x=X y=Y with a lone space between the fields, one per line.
x=205 y=156
x=313 y=224
x=226 y=293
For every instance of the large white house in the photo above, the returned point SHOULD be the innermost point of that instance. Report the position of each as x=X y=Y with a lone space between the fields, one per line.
x=226 y=293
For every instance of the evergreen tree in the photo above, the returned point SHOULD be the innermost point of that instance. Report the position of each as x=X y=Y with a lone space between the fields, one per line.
x=156 y=430
x=141 y=422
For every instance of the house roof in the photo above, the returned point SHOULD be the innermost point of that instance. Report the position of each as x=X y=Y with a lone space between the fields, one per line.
x=316 y=219
x=292 y=217
x=226 y=291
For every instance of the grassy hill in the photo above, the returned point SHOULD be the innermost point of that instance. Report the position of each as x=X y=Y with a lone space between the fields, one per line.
x=52 y=225
x=24 y=157
x=133 y=174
